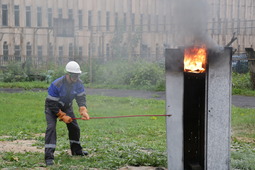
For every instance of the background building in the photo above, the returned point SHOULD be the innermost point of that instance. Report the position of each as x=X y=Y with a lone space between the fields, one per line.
x=56 y=31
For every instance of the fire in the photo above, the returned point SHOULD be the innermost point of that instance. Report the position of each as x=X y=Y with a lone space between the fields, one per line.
x=195 y=60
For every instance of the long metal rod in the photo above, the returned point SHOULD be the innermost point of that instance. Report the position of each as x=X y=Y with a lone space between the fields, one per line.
x=121 y=116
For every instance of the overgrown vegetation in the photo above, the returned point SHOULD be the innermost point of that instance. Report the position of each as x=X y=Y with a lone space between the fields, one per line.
x=241 y=84
x=135 y=74
x=120 y=73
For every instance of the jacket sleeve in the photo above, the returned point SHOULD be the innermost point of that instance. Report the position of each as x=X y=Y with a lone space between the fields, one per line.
x=52 y=100
x=81 y=96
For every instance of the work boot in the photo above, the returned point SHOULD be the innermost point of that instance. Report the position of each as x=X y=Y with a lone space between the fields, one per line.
x=49 y=162
x=81 y=153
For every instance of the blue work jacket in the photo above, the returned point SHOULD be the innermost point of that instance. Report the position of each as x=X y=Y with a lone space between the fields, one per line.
x=61 y=94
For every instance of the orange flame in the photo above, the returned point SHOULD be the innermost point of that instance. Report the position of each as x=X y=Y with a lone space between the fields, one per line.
x=195 y=60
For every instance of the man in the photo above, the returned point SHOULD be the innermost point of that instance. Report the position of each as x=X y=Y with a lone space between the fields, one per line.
x=58 y=104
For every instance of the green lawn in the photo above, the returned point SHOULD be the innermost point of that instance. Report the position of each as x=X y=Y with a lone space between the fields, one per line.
x=112 y=143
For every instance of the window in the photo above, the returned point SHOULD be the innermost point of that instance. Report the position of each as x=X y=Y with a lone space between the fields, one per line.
x=149 y=22
x=70 y=14
x=39 y=16
x=125 y=21
x=90 y=49
x=99 y=52
x=17 y=53
x=16 y=15
x=29 y=50
x=60 y=51
x=144 y=50
x=49 y=17
x=5 y=51
x=141 y=22
x=80 y=16
x=90 y=20
x=238 y=26
x=107 y=21
x=157 y=51
x=116 y=20
x=40 y=54
x=4 y=15
x=60 y=14
x=164 y=25
x=156 y=22
x=232 y=25
x=133 y=22
x=28 y=16
x=50 y=52
x=107 y=51
x=60 y=54
x=80 y=51
x=29 y=53
x=99 y=21
x=70 y=50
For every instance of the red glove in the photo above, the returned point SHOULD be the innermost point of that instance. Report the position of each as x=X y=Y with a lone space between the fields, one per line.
x=84 y=113
x=62 y=117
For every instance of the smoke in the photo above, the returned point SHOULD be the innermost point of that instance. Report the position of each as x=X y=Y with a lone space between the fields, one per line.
x=190 y=19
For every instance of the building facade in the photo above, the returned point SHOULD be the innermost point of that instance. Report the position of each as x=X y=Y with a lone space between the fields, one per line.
x=60 y=30
x=56 y=31
x=228 y=17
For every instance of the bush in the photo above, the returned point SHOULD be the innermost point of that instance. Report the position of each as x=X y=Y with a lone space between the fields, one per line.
x=241 y=81
x=147 y=75
x=54 y=74
x=14 y=73
x=112 y=73
x=21 y=72
x=138 y=74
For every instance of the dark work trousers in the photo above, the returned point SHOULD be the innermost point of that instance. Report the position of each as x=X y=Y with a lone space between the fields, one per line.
x=51 y=135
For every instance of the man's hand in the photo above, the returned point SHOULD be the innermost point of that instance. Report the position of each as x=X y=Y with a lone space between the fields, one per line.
x=62 y=117
x=67 y=119
x=84 y=113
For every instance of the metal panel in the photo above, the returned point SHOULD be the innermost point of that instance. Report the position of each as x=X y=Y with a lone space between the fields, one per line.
x=219 y=110
x=174 y=103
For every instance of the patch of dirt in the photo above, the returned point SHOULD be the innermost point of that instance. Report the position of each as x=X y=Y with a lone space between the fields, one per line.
x=19 y=146
x=23 y=146
x=246 y=139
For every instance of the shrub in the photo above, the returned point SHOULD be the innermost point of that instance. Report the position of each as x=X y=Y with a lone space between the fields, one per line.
x=241 y=81
x=14 y=73
x=147 y=75
x=139 y=74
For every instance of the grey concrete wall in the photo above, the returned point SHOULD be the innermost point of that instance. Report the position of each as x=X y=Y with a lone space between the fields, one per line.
x=219 y=111
x=174 y=102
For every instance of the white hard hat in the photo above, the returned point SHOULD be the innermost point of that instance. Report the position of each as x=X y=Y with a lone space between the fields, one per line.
x=73 y=67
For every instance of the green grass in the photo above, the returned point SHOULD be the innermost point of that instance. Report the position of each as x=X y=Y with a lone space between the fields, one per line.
x=244 y=92
x=243 y=138
x=243 y=122
x=112 y=143
x=25 y=85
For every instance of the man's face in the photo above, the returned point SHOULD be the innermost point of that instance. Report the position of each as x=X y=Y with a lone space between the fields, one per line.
x=73 y=77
